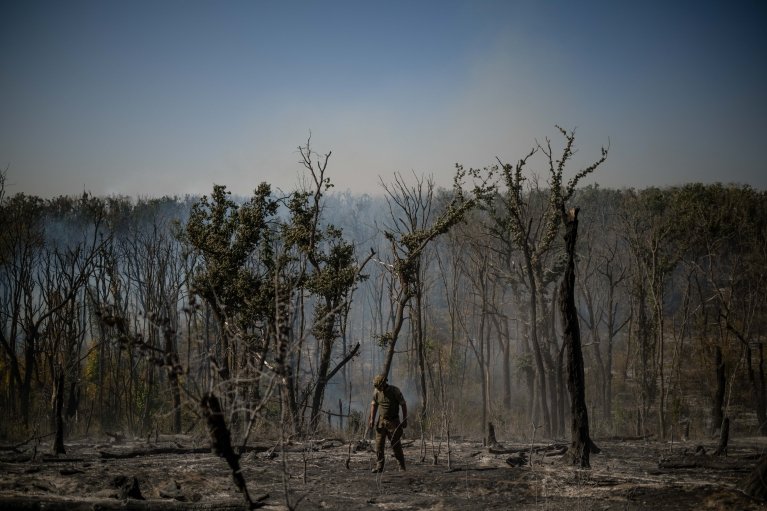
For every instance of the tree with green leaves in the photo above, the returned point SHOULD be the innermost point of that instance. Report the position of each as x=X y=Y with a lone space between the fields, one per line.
x=237 y=272
x=413 y=228
x=532 y=218
x=330 y=271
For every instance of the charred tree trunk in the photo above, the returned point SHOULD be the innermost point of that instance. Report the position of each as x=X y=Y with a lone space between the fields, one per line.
x=221 y=444
x=491 y=440
x=420 y=349
x=26 y=384
x=718 y=410
x=580 y=446
x=529 y=378
x=73 y=403
x=507 y=374
x=58 y=417
x=562 y=390
x=174 y=370
x=724 y=438
x=322 y=382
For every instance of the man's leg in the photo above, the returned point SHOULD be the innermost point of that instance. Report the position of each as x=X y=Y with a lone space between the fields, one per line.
x=396 y=446
x=380 y=444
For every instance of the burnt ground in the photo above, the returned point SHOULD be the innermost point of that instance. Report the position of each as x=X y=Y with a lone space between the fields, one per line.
x=178 y=473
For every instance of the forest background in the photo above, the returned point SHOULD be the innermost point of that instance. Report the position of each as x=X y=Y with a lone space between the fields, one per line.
x=122 y=314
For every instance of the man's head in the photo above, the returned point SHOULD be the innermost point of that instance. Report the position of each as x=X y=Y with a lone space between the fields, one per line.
x=379 y=381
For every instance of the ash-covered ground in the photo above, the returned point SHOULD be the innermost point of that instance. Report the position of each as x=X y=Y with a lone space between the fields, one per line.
x=180 y=473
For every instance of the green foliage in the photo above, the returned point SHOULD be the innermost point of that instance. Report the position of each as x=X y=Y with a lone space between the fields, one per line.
x=236 y=245
x=384 y=340
x=408 y=244
x=523 y=362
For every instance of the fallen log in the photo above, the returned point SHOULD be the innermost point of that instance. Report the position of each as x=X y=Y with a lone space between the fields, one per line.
x=499 y=449
x=470 y=469
x=546 y=450
x=35 y=502
x=702 y=461
x=518 y=460
x=555 y=451
x=153 y=452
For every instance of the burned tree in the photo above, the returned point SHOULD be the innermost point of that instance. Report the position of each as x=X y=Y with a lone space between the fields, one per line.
x=717 y=413
x=580 y=440
x=530 y=220
x=221 y=443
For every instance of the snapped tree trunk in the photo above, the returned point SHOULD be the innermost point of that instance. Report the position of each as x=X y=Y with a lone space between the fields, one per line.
x=580 y=444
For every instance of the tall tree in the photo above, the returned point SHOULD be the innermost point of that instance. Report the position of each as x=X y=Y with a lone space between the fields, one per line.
x=580 y=439
x=602 y=274
x=332 y=273
x=411 y=233
x=237 y=273
x=533 y=231
x=656 y=241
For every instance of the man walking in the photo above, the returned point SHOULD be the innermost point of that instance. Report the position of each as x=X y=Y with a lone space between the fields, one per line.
x=389 y=399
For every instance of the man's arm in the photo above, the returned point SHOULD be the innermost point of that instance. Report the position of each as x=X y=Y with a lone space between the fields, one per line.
x=372 y=414
x=404 y=414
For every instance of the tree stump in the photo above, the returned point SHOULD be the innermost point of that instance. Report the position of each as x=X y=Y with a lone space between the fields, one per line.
x=491 y=441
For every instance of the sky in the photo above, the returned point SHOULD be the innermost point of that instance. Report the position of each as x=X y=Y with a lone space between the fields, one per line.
x=168 y=97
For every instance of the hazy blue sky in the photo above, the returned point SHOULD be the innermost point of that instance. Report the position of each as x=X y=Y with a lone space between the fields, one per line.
x=169 y=97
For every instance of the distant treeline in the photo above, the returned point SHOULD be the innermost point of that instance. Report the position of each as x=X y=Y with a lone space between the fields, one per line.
x=126 y=312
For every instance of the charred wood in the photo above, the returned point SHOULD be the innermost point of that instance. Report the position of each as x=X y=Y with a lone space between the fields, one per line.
x=152 y=452
x=127 y=488
x=724 y=438
x=221 y=443
x=58 y=419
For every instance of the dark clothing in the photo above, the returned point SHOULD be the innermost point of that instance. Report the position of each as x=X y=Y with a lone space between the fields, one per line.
x=388 y=401
x=392 y=430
